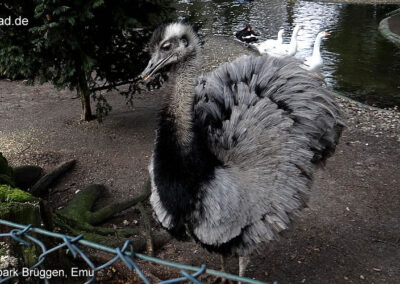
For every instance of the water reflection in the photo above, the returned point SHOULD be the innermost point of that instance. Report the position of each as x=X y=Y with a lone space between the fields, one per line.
x=357 y=59
x=366 y=64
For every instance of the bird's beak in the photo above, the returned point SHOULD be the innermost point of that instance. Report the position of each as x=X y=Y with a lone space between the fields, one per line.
x=327 y=34
x=153 y=66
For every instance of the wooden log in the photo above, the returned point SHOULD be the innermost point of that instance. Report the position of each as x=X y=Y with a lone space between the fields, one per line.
x=110 y=210
x=42 y=186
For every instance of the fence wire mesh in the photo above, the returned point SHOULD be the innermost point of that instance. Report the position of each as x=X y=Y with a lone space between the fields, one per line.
x=22 y=234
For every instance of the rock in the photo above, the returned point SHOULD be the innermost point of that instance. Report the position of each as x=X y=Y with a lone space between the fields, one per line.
x=4 y=168
x=10 y=194
x=19 y=207
x=26 y=176
x=5 y=179
x=6 y=172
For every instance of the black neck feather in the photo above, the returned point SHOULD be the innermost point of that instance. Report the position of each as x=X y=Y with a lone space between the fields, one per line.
x=179 y=173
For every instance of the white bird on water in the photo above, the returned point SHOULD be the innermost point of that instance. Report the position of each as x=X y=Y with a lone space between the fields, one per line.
x=268 y=44
x=236 y=148
x=315 y=62
x=283 y=50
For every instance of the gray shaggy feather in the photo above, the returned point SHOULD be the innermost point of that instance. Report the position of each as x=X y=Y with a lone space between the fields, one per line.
x=271 y=123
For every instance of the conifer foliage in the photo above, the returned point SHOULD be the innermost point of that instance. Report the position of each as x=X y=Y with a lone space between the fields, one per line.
x=85 y=45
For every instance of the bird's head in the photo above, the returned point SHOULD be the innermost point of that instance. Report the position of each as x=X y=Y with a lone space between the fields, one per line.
x=297 y=28
x=169 y=45
x=324 y=34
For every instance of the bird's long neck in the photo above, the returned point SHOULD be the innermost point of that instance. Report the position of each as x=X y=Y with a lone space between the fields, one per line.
x=280 y=36
x=179 y=101
x=317 y=44
x=293 y=40
x=182 y=160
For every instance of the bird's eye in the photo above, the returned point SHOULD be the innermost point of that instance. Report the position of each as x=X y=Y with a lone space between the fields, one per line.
x=184 y=41
x=166 y=46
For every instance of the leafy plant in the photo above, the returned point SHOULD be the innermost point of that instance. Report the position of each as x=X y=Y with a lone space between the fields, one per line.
x=90 y=46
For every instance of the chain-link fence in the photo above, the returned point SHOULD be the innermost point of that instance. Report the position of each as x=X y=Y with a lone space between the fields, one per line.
x=23 y=235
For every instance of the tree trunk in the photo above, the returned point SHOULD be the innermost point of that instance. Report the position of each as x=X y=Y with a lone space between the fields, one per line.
x=86 y=110
x=84 y=94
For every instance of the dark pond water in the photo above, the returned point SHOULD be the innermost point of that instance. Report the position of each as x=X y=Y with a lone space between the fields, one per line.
x=358 y=61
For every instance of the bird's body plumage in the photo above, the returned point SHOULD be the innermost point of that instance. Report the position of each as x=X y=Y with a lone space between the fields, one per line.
x=247 y=35
x=236 y=148
x=269 y=44
x=284 y=49
x=315 y=61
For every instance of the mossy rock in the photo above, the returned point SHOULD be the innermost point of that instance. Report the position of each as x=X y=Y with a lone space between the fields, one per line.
x=8 y=194
x=21 y=213
x=20 y=207
x=26 y=176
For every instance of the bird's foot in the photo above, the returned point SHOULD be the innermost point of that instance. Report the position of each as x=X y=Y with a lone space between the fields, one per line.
x=218 y=280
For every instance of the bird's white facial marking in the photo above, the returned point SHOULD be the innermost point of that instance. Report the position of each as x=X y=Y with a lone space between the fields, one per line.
x=166 y=46
x=173 y=30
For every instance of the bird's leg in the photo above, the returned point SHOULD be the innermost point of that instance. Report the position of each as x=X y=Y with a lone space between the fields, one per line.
x=223 y=264
x=243 y=262
x=225 y=270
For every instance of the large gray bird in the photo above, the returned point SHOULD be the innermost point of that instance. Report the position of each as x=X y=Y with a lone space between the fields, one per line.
x=236 y=148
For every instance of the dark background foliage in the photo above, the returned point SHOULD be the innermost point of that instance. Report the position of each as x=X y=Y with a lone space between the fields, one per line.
x=84 y=45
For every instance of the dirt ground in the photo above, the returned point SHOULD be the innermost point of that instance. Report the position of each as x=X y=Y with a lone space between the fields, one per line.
x=349 y=234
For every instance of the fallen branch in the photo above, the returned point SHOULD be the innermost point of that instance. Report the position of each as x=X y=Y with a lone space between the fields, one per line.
x=42 y=185
x=147 y=227
x=79 y=208
x=110 y=210
x=78 y=218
